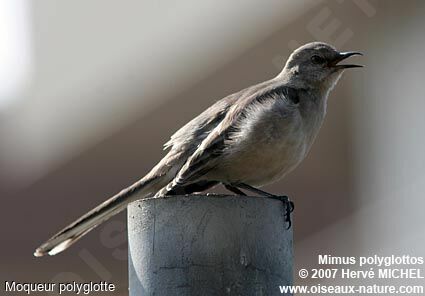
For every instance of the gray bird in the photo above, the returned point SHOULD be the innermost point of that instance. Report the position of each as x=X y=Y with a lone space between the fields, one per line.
x=244 y=141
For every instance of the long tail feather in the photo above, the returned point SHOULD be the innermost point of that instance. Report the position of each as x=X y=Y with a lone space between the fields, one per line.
x=73 y=232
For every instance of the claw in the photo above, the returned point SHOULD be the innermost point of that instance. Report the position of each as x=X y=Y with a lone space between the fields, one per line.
x=289 y=208
x=292 y=206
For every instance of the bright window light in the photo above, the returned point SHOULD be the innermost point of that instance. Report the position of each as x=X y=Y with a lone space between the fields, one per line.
x=14 y=49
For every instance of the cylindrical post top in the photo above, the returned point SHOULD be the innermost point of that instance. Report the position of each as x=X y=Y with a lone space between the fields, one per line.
x=209 y=245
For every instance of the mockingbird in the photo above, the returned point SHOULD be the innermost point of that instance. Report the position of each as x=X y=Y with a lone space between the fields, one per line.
x=244 y=141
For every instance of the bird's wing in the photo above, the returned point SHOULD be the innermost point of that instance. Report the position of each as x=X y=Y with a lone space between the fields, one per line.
x=186 y=140
x=206 y=156
x=196 y=130
x=199 y=127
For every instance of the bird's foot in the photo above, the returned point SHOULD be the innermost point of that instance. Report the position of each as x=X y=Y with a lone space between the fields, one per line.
x=289 y=205
x=289 y=208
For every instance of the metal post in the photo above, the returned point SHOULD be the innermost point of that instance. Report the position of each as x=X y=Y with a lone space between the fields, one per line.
x=209 y=245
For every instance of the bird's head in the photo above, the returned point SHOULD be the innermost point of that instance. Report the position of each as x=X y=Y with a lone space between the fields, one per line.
x=316 y=65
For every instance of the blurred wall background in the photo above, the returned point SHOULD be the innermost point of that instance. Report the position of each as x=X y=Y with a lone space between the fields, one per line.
x=91 y=90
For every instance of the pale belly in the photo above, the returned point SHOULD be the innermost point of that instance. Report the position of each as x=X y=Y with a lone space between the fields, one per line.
x=263 y=162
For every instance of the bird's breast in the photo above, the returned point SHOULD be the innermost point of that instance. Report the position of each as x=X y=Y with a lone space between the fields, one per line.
x=265 y=151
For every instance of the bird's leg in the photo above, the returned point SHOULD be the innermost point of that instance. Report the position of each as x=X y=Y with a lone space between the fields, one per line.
x=256 y=190
x=289 y=205
x=234 y=189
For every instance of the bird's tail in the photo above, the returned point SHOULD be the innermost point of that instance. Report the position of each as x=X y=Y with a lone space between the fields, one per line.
x=73 y=232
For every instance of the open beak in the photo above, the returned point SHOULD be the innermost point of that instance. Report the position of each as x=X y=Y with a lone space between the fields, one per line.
x=342 y=56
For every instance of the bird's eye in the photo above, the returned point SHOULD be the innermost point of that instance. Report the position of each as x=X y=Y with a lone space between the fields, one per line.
x=317 y=59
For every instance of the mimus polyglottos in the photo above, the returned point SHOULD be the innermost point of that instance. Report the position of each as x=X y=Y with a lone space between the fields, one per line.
x=246 y=140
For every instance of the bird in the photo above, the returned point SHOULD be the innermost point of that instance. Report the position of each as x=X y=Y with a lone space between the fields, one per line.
x=244 y=141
